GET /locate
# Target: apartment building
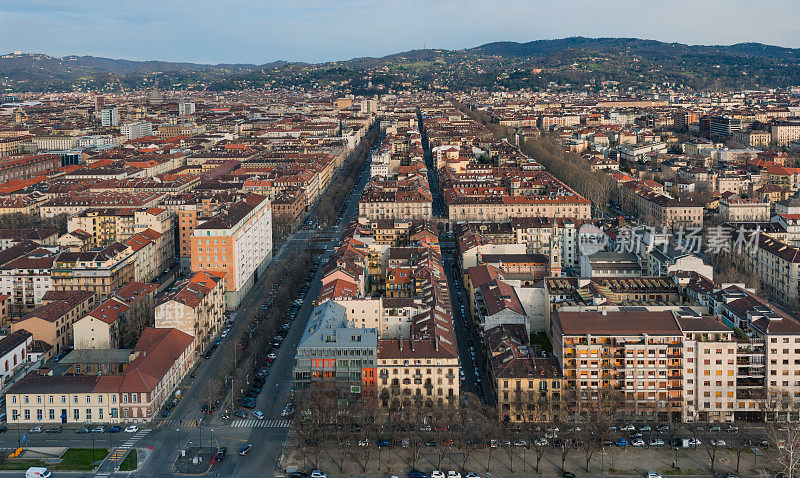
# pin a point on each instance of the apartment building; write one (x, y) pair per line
(335, 352)
(237, 243)
(777, 264)
(196, 307)
(162, 358)
(53, 321)
(710, 370)
(733, 209)
(528, 388)
(100, 271)
(103, 326)
(635, 353)
(784, 132)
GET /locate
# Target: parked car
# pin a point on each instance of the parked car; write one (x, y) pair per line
(57, 429)
(652, 474)
(437, 474)
(621, 442)
(114, 429)
(131, 429)
(241, 414)
(656, 442)
(318, 474)
(416, 474)
(99, 429)
(258, 415)
(36, 429)
(82, 431)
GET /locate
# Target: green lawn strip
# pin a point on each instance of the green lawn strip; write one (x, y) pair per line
(130, 462)
(74, 459)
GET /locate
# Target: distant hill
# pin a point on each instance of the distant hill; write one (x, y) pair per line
(568, 63)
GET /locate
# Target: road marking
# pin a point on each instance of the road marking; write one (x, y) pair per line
(260, 424)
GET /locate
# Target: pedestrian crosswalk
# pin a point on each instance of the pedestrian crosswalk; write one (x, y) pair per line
(260, 424)
(132, 441)
(177, 423)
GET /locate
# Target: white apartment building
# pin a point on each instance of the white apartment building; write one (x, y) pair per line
(136, 130)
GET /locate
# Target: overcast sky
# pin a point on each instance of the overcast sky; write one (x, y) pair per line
(259, 31)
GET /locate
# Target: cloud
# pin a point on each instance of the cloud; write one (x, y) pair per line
(256, 31)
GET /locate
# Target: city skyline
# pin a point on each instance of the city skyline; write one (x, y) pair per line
(261, 32)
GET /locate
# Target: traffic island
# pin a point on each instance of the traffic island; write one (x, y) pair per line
(194, 460)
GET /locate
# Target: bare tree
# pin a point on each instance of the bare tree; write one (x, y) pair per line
(786, 438)
(711, 442)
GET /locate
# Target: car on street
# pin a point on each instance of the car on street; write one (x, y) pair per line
(58, 429)
(3, 428)
(416, 474)
(627, 428)
(645, 428)
(540, 442)
(693, 442)
(221, 452)
(519, 442)
(131, 429)
(245, 449)
(36, 429)
(99, 429)
(383, 443)
(318, 474)
(732, 429)
(453, 474)
(114, 429)
(471, 474)
(567, 474)
(718, 442)
(241, 414)
(715, 429)
(621, 442)
(82, 431)
(638, 442)
(437, 474)
(652, 474)
(656, 442)
(258, 415)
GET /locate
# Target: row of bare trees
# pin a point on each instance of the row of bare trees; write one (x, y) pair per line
(339, 189)
(331, 421)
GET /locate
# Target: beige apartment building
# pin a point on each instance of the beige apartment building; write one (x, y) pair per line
(196, 308)
(528, 388)
(160, 360)
(504, 208)
(743, 210)
(709, 370)
(777, 264)
(53, 321)
(784, 132)
(99, 271)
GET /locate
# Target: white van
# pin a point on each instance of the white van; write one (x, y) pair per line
(38, 472)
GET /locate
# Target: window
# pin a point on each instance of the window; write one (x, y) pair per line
(76, 414)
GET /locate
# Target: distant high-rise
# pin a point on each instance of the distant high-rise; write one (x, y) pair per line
(99, 102)
(186, 108)
(109, 116)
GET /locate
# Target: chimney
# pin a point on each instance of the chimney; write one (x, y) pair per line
(604, 312)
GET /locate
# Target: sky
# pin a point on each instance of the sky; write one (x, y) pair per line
(260, 31)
